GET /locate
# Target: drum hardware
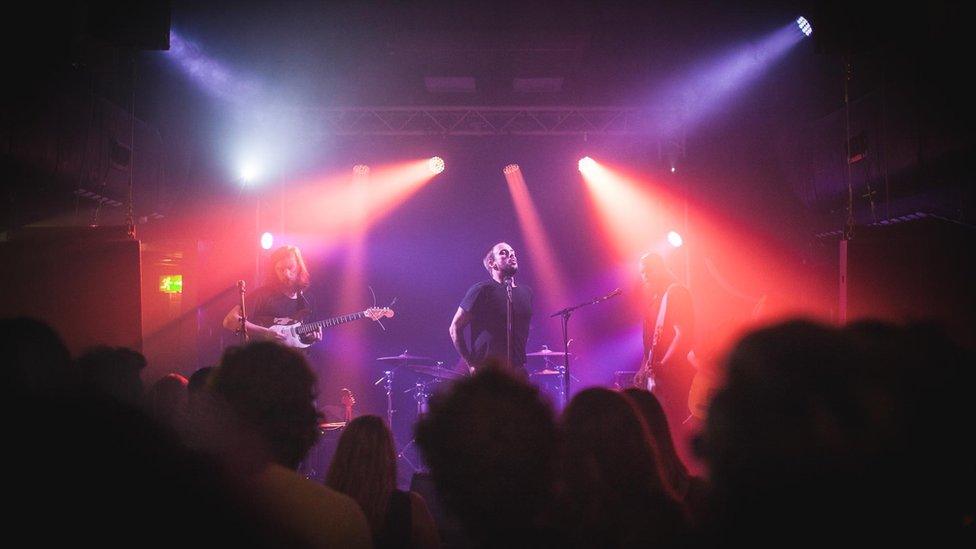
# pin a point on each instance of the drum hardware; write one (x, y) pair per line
(546, 353)
(436, 371)
(406, 357)
(420, 365)
(387, 380)
(421, 394)
(551, 369)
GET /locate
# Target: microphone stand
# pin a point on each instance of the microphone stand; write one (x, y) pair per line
(565, 314)
(243, 330)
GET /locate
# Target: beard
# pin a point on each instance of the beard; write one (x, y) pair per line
(508, 270)
(289, 286)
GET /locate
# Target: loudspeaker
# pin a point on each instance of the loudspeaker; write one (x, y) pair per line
(918, 269)
(84, 282)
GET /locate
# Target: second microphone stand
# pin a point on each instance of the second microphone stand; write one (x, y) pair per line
(565, 314)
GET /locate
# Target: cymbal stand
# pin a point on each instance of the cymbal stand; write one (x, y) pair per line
(387, 381)
(421, 394)
(561, 368)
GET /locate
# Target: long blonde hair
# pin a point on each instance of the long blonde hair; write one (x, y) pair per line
(364, 467)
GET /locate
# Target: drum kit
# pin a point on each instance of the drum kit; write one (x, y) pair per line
(432, 372)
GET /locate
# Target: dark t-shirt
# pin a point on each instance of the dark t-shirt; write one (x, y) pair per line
(268, 303)
(487, 302)
(679, 311)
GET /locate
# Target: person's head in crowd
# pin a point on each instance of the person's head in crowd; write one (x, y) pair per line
(673, 469)
(198, 381)
(270, 389)
(818, 425)
(789, 401)
(114, 372)
(611, 475)
(204, 422)
(167, 399)
(918, 398)
(36, 360)
(364, 467)
(490, 442)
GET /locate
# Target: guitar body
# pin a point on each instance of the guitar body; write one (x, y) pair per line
(644, 378)
(287, 330)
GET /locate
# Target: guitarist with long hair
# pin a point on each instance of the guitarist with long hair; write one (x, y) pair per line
(669, 333)
(280, 299)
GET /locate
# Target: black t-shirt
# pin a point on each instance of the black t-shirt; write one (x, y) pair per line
(268, 303)
(487, 302)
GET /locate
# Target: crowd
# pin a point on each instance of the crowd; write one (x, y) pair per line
(818, 434)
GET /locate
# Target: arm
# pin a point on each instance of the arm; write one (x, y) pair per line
(232, 322)
(461, 319)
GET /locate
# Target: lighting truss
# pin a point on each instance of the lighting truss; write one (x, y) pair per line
(483, 121)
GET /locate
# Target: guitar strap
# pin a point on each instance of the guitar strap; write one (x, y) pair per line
(662, 312)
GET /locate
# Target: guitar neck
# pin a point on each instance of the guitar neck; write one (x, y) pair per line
(329, 322)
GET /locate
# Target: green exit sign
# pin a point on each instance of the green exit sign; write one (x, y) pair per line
(171, 284)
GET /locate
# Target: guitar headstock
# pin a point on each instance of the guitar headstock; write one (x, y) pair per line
(346, 397)
(376, 313)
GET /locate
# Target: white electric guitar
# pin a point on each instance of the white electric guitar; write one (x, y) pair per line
(293, 330)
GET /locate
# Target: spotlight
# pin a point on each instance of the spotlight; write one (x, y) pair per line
(586, 164)
(361, 170)
(805, 26)
(248, 173)
(510, 169)
(267, 241)
(435, 165)
(675, 239)
(673, 169)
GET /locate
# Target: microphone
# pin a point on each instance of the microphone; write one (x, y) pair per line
(241, 286)
(614, 293)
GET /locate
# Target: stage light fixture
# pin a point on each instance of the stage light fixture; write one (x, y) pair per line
(361, 170)
(675, 239)
(267, 241)
(510, 169)
(586, 164)
(248, 174)
(435, 165)
(805, 26)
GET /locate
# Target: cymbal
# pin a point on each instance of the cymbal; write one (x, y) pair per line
(547, 373)
(546, 352)
(404, 357)
(436, 372)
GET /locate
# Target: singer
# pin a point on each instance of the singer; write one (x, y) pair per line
(499, 312)
(280, 299)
